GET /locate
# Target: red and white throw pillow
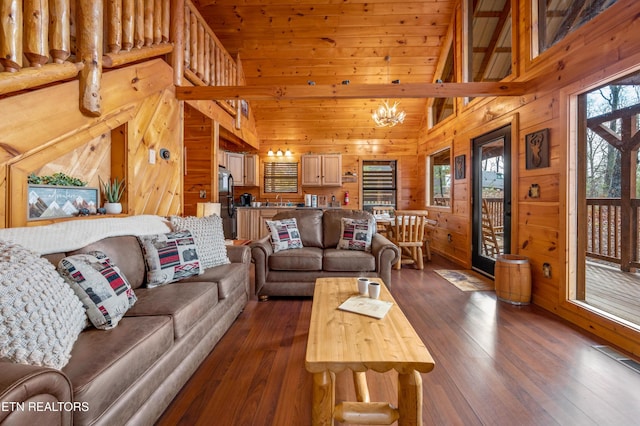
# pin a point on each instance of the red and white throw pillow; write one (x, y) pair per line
(170, 257)
(284, 234)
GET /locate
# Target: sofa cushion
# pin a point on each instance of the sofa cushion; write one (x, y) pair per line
(356, 234)
(309, 224)
(102, 288)
(228, 277)
(124, 251)
(169, 257)
(336, 260)
(209, 237)
(186, 304)
(106, 363)
(304, 259)
(284, 234)
(332, 223)
(40, 316)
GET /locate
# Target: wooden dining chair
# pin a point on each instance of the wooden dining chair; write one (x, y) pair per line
(383, 217)
(409, 227)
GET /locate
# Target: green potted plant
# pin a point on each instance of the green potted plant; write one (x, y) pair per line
(112, 191)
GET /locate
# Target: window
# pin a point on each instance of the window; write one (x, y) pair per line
(442, 108)
(560, 17)
(440, 178)
(489, 40)
(280, 177)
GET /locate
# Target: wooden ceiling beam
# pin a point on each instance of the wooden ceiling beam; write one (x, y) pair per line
(339, 91)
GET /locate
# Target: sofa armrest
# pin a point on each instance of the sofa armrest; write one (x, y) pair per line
(239, 254)
(260, 252)
(386, 254)
(32, 395)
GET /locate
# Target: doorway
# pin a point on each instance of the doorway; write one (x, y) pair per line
(491, 177)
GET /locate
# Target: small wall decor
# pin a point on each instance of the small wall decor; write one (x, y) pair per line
(534, 191)
(537, 149)
(459, 166)
(49, 202)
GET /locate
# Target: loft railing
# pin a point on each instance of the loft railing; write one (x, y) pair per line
(46, 42)
(34, 52)
(604, 230)
(206, 61)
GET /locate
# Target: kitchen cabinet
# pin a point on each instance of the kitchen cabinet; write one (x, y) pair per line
(322, 170)
(251, 222)
(235, 164)
(251, 170)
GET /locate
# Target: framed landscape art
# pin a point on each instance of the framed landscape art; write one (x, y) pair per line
(50, 202)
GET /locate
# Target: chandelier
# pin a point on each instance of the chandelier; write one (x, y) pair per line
(388, 115)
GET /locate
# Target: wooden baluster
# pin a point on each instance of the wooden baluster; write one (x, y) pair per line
(157, 21)
(11, 26)
(178, 38)
(114, 25)
(128, 17)
(212, 64)
(219, 65)
(201, 47)
(36, 32)
(148, 22)
(186, 29)
(90, 28)
(73, 27)
(205, 65)
(166, 22)
(193, 29)
(59, 30)
(138, 34)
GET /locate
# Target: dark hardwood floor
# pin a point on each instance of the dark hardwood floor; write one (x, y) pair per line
(496, 364)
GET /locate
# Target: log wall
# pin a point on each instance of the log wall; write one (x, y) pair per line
(609, 45)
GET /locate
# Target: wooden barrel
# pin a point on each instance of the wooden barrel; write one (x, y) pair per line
(513, 279)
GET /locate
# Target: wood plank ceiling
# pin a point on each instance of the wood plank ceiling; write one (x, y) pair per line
(293, 42)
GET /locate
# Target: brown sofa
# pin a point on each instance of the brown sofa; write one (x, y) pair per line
(294, 272)
(130, 374)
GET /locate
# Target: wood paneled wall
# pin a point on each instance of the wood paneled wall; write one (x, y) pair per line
(607, 46)
(44, 131)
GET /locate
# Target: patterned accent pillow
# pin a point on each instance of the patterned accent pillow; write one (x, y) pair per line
(209, 237)
(356, 234)
(170, 257)
(103, 289)
(40, 316)
(284, 234)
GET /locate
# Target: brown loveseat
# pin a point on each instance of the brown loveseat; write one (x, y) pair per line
(129, 374)
(294, 272)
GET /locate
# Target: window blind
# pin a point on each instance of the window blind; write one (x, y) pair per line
(281, 177)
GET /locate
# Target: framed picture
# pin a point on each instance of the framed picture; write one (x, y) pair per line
(50, 202)
(459, 167)
(537, 149)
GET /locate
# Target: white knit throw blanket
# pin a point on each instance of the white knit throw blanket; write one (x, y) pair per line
(74, 234)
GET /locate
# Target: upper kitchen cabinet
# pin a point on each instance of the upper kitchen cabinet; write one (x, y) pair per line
(251, 170)
(235, 164)
(322, 170)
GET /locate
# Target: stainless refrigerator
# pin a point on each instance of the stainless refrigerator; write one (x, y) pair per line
(378, 184)
(227, 208)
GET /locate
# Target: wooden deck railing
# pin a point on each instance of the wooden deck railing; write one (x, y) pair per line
(604, 230)
(46, 42)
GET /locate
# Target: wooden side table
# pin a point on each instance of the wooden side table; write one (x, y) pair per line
(340, 340)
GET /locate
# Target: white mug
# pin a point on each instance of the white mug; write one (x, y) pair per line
(363, 285)
(374, 290)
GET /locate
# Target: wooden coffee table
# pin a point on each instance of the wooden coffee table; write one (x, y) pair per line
(340, 340)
